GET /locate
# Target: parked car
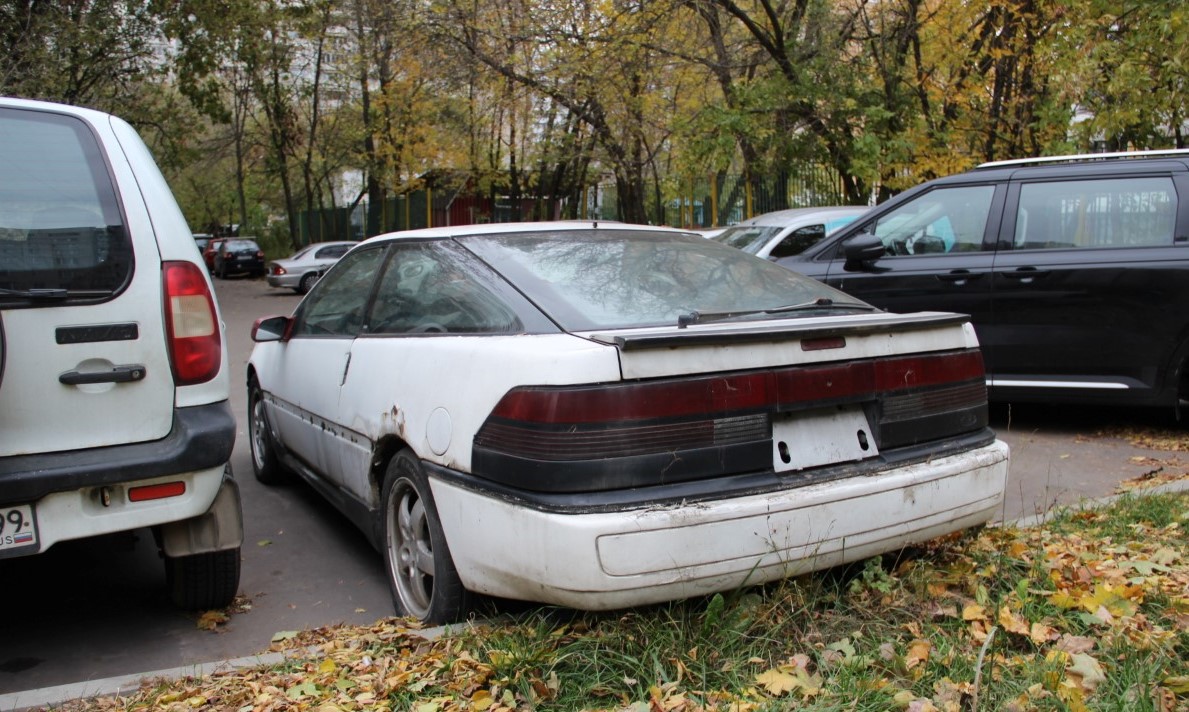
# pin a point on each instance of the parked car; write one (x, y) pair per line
(114, 412)
(201, 239)
(784, 233)
(604, 415)
(302, 269)
(208, 252)
(1074, 270)
(237, 255)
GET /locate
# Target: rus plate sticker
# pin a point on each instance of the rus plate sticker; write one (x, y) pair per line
(18, 529)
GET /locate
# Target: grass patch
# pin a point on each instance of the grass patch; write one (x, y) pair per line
(1090, 612)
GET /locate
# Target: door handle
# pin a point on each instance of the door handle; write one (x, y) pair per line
(1026, 274)
(117, 374)
(959, 276)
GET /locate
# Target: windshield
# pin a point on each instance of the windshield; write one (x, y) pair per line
(598, 279)
(749, 238)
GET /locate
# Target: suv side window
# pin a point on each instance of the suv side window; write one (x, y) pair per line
(336, 307)
(60, 222)
(940, 221)
(1116, 212)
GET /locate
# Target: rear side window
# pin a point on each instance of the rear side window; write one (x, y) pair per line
(60, 223)
(1118, 212)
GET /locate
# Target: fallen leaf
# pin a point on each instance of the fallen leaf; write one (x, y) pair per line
(918, 652)
(1086, 671)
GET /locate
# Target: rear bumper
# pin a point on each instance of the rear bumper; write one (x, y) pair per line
(614, 559)
(201, 439)
(288, 281)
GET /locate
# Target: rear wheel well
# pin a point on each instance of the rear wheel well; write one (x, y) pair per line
(384, 450)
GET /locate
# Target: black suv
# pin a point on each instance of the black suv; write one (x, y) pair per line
(1074, 269)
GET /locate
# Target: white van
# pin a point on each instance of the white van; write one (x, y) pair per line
(114, 411)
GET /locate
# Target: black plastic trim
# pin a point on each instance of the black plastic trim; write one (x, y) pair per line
(750, 483)
(201, 438)
(621, 472)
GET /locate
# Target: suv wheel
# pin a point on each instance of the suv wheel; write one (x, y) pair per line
(203, 581)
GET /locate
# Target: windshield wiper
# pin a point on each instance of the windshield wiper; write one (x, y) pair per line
(38, 294)
(697, 317)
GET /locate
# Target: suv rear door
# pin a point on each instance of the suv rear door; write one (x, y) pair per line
(81, 285)
(1090, 278)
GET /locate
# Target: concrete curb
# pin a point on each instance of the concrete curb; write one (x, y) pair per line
(105, 687)
(1036, 520)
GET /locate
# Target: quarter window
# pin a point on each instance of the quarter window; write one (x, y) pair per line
(1118, 212)
(940, 221)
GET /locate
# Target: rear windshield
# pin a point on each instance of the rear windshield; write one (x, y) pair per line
(598, 279)
(60, 223)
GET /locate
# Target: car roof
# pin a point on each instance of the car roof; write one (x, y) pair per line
(781, 218)
(553, 226)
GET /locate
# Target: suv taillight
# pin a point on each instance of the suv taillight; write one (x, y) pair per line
(195, 346)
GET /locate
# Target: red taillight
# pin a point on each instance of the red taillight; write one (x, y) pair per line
(161, 491)
(620, 419)
(735, 394)
(278, 270)
(195, 345)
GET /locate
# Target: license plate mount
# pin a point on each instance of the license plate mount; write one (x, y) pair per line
(821, 436)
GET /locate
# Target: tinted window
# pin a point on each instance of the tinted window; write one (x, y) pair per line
(1122, 212)
(238, 246)
(337, 305)
(332, 251)
(428, 287)
(610, 278)
(942, 220)
(799, 240)
(60, 223)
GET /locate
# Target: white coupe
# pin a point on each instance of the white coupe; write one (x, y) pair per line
(601, 415)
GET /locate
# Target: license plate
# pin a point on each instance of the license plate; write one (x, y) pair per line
(18, 530)
(821, 437)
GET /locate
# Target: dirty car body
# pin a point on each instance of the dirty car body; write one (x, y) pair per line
(606, 416)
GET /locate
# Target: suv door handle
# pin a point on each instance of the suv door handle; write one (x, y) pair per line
(959, 276)
(1025, 274)
(117, 374)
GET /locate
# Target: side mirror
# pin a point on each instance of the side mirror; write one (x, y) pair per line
(862, 250)
(271, 328)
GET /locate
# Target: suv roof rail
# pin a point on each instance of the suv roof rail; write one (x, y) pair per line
(1085, 157)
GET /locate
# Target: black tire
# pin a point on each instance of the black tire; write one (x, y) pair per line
(203, 581)
(307, 283)
(421, 574)
(266, 464)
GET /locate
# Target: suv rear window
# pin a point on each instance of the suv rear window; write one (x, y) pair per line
(60, 222)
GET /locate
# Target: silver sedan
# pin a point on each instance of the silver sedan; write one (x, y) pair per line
(302, 269)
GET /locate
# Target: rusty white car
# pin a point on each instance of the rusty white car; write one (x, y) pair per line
(600, 415)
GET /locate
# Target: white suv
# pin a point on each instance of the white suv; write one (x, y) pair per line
(114, 411)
